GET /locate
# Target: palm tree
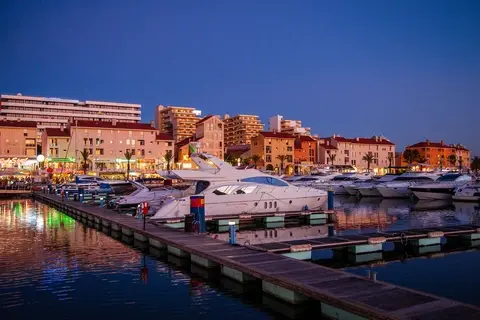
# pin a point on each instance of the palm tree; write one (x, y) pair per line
(84, 154)
(411, 156)
(168, 158)
(332, 157)
(390, 160)
(282, 159)
(460, 163)
(256, 158)
(230, 159)
(452, 159)
(246, 161)
(368, 158)
(128, 156)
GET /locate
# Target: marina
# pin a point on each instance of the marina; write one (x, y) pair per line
(288, 279)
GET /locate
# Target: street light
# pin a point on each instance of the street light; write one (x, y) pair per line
(40, 159)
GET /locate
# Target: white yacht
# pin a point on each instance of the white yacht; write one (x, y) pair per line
(469, 192)
(145, 194)
(443, 188)
(338, 183)
(312, 180)
(369, 188)
(399, 187)
(228, 191)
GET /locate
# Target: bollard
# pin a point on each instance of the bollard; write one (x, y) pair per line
(331, 231)
(139, 212)
(232, 233)
(197, 207)
(331, 199)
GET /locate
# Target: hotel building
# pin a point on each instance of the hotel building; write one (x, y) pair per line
(279, 124)
(305, 153)
(350, 151)
(18, 146)
(179, 122)
(436, 154)
(208, 138)
(240, 129)
(270, 145)
(106, 143)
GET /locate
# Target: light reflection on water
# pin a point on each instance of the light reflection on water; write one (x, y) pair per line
(51, 265)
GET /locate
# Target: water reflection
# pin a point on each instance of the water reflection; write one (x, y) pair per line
(53, 266)
(356, 215)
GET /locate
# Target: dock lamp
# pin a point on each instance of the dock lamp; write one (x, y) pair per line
(40, 160)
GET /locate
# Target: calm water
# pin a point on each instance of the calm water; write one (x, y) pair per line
(453, 275)
(51, 265)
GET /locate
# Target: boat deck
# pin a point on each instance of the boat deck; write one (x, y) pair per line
(341, 295)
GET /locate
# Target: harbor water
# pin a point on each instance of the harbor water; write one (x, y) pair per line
(51, 264)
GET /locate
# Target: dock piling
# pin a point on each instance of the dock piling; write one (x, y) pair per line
(232, 233)
(331, 199)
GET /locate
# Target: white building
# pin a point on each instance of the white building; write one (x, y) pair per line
(279, 124)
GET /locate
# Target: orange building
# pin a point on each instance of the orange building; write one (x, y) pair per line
(269, 146)
(305, 153)
(437, 154)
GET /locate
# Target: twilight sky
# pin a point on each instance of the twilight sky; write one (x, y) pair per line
(407, 69)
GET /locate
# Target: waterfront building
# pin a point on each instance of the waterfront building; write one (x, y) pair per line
(271, 146)
(55, 112)
(305, 153)
(240, 129)
(279, 124)
(179, 122)
(106, 144)
(18, 146)
(240, 151)
(326, 151)
(352, 150)
(208, 138)
(439, 154)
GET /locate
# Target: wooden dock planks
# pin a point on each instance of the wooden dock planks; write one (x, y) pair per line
(344, 291)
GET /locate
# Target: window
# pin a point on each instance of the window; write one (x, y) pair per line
(268, 149)
(289, 149)
(224, 190)
(141, 142)
(268, 158)
(266, 180)
(246, 190)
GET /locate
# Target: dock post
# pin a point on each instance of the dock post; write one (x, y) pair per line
(331, 199)
(102, 202)
(232, 232)
(197, 208)
(331, 231)
(66, 195)
(81, 192)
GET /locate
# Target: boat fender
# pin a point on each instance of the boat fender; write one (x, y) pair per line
(435, 234)
(301, 248)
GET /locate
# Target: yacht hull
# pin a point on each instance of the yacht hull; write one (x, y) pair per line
(394, 192)
(432, 194)
(351, 191)
(369, 192)
(466, 198)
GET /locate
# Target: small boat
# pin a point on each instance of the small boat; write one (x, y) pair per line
(338, 183)
(468, 193)
(369, 188)
(400, 186)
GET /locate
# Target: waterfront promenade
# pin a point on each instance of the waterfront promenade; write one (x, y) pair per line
(341, 295)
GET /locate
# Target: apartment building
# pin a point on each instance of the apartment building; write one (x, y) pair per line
(279, 124)
(352, 150)
(240, 129)
(18, 146)
(437, 154)
(106, 143)
(270, 146)
(326, 151)
(208, 138)
(180, 122)
(305, 153)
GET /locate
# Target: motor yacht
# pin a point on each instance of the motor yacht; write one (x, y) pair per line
(469, 192)
(312, 180)
(399, 187)
(443, 188)
(369, 188)
(153, 196)
(338, 183)
(228, 191)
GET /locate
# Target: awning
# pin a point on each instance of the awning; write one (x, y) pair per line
(61, 160)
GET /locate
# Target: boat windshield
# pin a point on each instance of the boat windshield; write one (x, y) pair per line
(407, 178)
(449, 177)
(266, 180)
(306, 179)
(343, 178)
(201, 186)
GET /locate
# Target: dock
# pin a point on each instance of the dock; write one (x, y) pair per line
(340, 295)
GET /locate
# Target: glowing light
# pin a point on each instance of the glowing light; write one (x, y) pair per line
(40, 158)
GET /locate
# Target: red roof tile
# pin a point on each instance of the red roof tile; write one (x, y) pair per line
(110, 125)
(185, 141)
(163, 136)
(20, 124)
(430, 144)
(281, 135)
(239, 147)
(306, 138)
(372, 140)
(205, 118)
(57, 132)
(330, 147)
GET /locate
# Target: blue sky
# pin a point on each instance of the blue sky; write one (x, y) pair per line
(407, 69)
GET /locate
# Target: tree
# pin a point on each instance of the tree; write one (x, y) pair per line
(411, 156)
(168, 158)
(128, 156)
(368, 158)
(390, 160)
(230, 159)
(475, 165)
(282, 159)
(256, 158)
(332, 157)
(246, 161)
(452, 159)
(84, 154)
(460, 163)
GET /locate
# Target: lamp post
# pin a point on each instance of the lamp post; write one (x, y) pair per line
(40, 160)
